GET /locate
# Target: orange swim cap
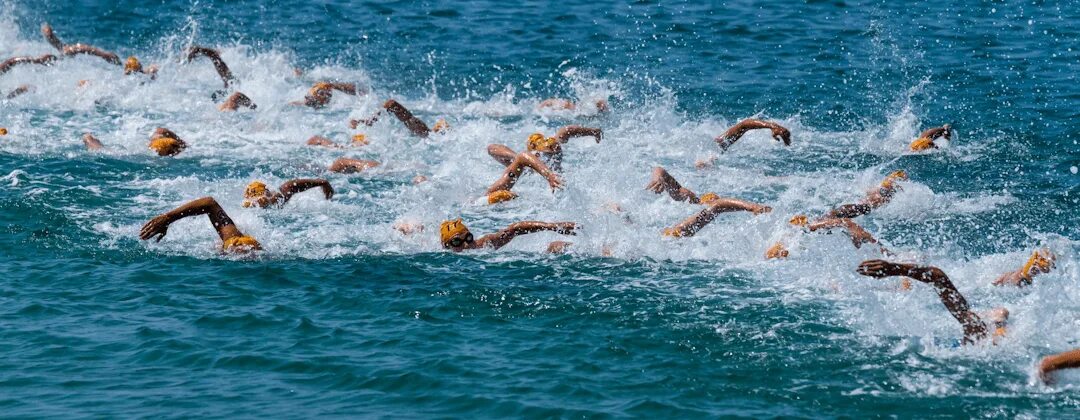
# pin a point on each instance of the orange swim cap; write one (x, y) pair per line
(501, 196)
(672, 232)
(1041, 261)
(708, 198)
(3, 131)
(537, 143)
(240, 244)
(166, 146)
(776, 251)
(922, 143)
(451, 228)
(132, 65)
(441, 126)
(799, 220)
(891, 178)
(359, 140)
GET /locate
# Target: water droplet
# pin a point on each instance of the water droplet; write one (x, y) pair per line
(1073, 170)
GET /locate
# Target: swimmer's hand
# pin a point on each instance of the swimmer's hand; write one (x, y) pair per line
(156, 227)
(882, 269)
(780, 133)
(554, 181)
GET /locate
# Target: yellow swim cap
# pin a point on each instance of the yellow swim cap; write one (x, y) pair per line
(776, 251)
(922, 143)
(319, 89)
(359, 140)
(799, 220)
(166, 146)
(708, 198)
(1041, 261)
(537, 143)
(500, 196)
(3, 131)
(132, 65)
(451, 228)
(255, 189)
(440, 126)
(891, 178)
(242, 243)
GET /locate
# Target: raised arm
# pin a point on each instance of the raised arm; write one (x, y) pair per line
(6, 65)
(524, 160)
(159, 226)
(415, 125)
(974, 328)
(566, 133)
(215, 57)
(858, 235)
(935, 133)
(237, 100)
(76, 49)
(694, 223)
(501, 238)
(348, 166)
(91, 142)
(662, 182)
(736, 132)
(1055, 362)
(349, 88)
(50, 36)
(1041, 261)
(296, 186)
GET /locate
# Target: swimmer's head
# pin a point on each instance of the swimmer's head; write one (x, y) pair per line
(359, 140)
(537, 143)
(501, 196)
(799, 220)
(256, 194)
(708, 198)
(3, 131)
(948, 131)
(602, 106)
(777, 251)
(1041, 261)
(454, 235)
(132, 65)
(999, 318)
(441, 126)
(241, 244)
(166, 146)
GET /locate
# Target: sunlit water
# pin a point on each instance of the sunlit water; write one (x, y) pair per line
(343, 315)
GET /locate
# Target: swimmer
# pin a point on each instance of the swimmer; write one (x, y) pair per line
(566, 104)
(349, 166)
(357, 140)
(550, 148)
(662, 182)
(415, 125)
(91, 142)
(166, 143)
(76, 49)
(974, 328)
(874, 198)
(232, 240)
(19, 91)
(693, 224)
(858, 234)
(8, 64)
(500, 190)
(733, 134)
(321, 93)
(1056, 362)
(456, 237)
(1040, 262)
(926, 139)
(235, 101)
(215, 58)
(257, 195)
(132, 65)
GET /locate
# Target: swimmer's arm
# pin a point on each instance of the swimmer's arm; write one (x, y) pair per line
(974, 328)
(349, 88)
(501, 238)
(19, 91)
(296, 186)
(237, 100)
(6, 65)
(513, 172)
(934, 133)
(321, 141)
(159, 226)
(662, 182)
(50, 36)
(566, 133)
(164, 132)
(215, 57)
(691, 225)
(1012, 278)
(348, 166)
(415, 125)
(370, 121)
(1055, 362)
(76, 49)
(91, 142)
(858, 235)
(736, 132)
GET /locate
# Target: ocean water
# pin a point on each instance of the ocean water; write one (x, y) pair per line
(343, 316)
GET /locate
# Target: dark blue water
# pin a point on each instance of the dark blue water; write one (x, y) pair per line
(343, 316)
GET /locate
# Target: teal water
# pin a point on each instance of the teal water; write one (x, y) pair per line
(342, 316)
